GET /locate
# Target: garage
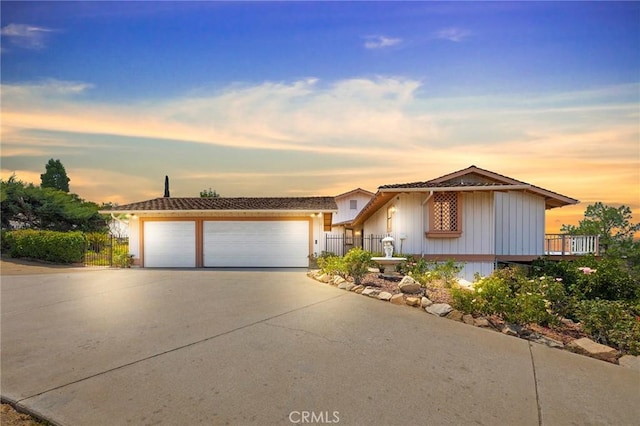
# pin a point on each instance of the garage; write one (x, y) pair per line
(266, 243)
(170, 244)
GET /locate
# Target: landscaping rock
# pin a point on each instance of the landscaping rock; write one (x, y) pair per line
(512, 330)
(343, 285)
(439, 309)
(371, 292)
(468, 319)
(413, 301)
(358, 289)
(590, 348)
(409, 285)
(455, 315)
(339, 280)
(424, 302)
(350, 286)
(481, 322)
(544, 340)
(397, 299)
(385, 295)
(630, 361)
(324, 278)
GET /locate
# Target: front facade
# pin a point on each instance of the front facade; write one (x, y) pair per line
(227, 232)
(473, 216)
(349, 205)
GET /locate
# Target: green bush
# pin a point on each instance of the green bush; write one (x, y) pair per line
(331, 264)
(425, 272)
(357, 262)
(51, 246)
(613, 323)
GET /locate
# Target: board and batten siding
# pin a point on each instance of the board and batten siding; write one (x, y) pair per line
(519, 222)
(345, 213)
(477, 228)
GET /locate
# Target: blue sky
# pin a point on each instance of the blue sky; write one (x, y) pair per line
(317, 98)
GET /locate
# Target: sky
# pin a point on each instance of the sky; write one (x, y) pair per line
(318, 98)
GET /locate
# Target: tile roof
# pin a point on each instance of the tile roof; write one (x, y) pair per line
(220, 203)
(430, 184)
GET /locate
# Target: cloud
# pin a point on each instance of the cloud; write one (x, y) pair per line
(453, 34)
(380, 42)
(26, 36)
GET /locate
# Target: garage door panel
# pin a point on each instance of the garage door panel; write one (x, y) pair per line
(256, 243)
(170, 244)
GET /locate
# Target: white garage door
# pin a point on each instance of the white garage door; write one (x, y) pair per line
(170, 244)
(256, 244)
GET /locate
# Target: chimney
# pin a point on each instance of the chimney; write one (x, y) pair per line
(166, 186)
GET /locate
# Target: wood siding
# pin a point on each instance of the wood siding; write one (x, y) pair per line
(345, 212)
(519, 223)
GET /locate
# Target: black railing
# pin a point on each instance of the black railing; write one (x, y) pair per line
(340, 244)
(107, 250)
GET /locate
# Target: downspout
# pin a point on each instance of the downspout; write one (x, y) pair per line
(423, 225)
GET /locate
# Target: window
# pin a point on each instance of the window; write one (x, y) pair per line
(353, 204)
(390, 211)
(445, 219)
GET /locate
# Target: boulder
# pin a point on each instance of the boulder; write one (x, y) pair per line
(468, 319)
(544, 340)
(424, 302)
(343, 285)
(630, 361)
(397, 299)
(590, 348)
(385, 295)
(439, 309)
(409, 285)
(455, 315)
(350, 286)
(337, 280)
(481, 322)
(324, 278)
(413, 301)
(358, 289)
(371, 292)
(512, 330)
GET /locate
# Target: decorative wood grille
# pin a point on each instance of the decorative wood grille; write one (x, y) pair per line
(445, 211)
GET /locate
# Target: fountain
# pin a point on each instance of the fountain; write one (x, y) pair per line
(388, 259)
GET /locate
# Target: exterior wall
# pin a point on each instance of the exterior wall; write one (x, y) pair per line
(344, 209)
(134, 238)
(477, 236)
(519, 223)
(471, 268)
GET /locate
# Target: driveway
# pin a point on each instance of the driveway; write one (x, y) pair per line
(140, 346)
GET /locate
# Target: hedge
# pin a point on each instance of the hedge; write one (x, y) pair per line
(52, 246)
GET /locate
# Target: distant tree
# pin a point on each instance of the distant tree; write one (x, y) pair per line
(55, 176)
(209, 193)
(612, 224)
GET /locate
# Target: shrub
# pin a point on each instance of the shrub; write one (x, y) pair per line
(52, 246)
(357, 262)
(426, 272)
(613, 323)
(333, 265)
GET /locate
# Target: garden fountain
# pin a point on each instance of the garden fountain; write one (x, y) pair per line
(388, 259)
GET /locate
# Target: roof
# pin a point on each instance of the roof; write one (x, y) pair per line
(355, 191)
(229, 204)
(470, 179)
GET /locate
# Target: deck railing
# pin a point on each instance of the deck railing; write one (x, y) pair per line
(565, 245)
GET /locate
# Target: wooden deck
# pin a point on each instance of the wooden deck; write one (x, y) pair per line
(564, 245)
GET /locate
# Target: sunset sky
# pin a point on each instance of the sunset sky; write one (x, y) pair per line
(306, 98)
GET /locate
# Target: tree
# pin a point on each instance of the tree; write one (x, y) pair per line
(209, 193)
(612, 224)
(55, 176)
(29, 206)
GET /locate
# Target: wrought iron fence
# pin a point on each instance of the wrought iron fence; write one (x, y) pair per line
(106, 250)
(340, 244)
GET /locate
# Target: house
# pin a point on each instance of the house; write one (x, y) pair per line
(226, 232)
(349, 205)
(472, 216)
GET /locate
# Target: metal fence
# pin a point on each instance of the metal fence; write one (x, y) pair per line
(340, 244)
(106, 250)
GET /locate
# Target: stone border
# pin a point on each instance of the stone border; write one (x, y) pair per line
(583, 346)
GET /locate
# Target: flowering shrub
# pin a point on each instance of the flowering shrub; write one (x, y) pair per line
(612, 323)
(426, 272)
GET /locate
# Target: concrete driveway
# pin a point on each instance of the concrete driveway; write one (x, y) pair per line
(116, 347)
